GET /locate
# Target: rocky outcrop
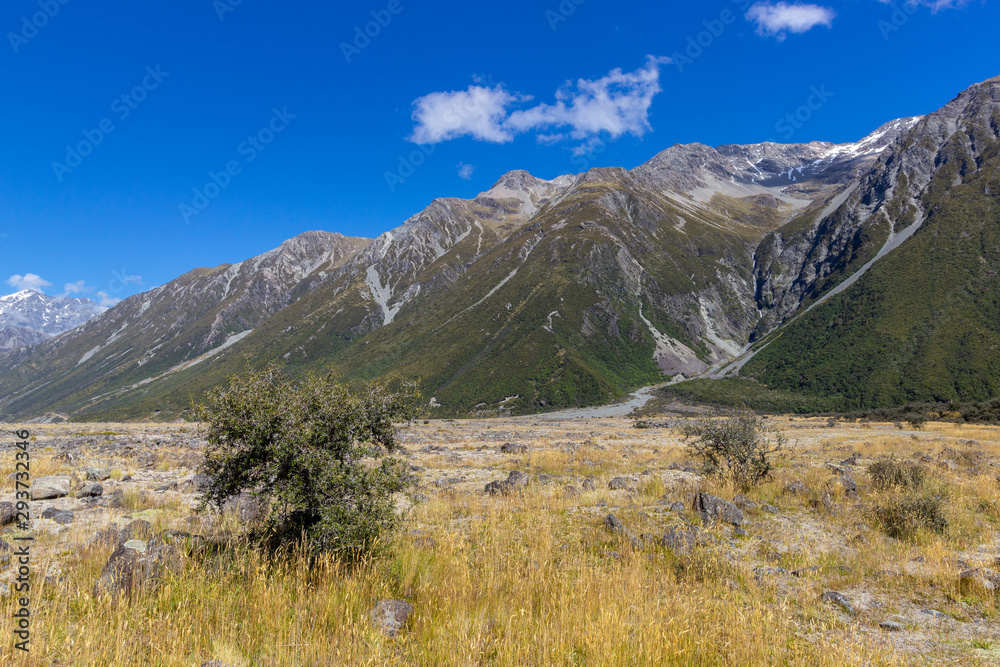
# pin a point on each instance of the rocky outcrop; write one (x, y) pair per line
(822, 248)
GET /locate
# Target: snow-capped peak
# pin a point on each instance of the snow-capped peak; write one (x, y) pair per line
(36, 316)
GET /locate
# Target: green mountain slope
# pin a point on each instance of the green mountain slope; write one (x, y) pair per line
(534, 295)
(923, 324)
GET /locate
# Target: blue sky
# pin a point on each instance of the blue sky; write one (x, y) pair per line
(145, 139)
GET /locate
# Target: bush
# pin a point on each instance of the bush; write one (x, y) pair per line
(314, 453)
(738, 447)
(888, 473)
(901, 518)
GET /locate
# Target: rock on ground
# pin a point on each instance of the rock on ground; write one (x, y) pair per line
(712, 509)
(47, 488)
(390, 616)
(135, 564)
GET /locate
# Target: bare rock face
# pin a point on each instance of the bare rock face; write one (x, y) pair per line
(884, 203)
(677, 265)
(390, 616)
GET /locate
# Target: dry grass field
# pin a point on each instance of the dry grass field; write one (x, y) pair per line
(535, 576)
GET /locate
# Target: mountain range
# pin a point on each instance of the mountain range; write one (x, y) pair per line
(862, 272)
(29, 317)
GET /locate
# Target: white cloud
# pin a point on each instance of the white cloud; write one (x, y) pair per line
(28, 281)
(106, 300)
(935, 5)
(477, 112)
(79, 287)
(131, 279)
(776, 19)
(615, 104)
(465, 171)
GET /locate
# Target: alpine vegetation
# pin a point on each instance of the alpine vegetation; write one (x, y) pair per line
(316, 455)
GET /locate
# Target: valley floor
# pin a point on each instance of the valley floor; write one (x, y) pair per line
(536, 576)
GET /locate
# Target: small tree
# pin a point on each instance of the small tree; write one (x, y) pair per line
(314, 452)
(738, 447)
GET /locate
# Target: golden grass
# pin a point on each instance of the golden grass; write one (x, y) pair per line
(535, 579)
(520, 585)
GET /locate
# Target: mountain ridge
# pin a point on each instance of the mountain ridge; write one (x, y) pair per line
(534, 294)
(29, 316)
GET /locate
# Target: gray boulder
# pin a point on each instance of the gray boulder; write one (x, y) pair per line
(249, 509)
(515, 481)
(390, 616)
(614, 525)
(979, 579)
(62, 517)
(7, 514)
(683, 538)
(106, 536)
(712, 509)
(513, 448)
(198, 483)
(46, 488)
(839, 600)
(137, 530)
(98, 474)
(796, 488)
(90, 490)
(135, 564)
(619, 483)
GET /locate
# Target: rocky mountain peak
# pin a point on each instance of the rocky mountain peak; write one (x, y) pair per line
(28, 317)
(531, 191)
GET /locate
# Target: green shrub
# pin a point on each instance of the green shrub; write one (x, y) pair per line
(901, 518)
(314, 453)
(738, 447)
(889, 472)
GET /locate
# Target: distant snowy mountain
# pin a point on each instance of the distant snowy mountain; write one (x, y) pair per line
(29, 317)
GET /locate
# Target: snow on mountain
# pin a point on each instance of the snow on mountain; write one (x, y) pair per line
(29, 317)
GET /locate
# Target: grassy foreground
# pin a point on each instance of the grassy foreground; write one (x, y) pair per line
(535, 579)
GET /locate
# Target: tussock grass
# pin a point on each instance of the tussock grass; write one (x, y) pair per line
(517, 584)
(535, 578)
(887, 473)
